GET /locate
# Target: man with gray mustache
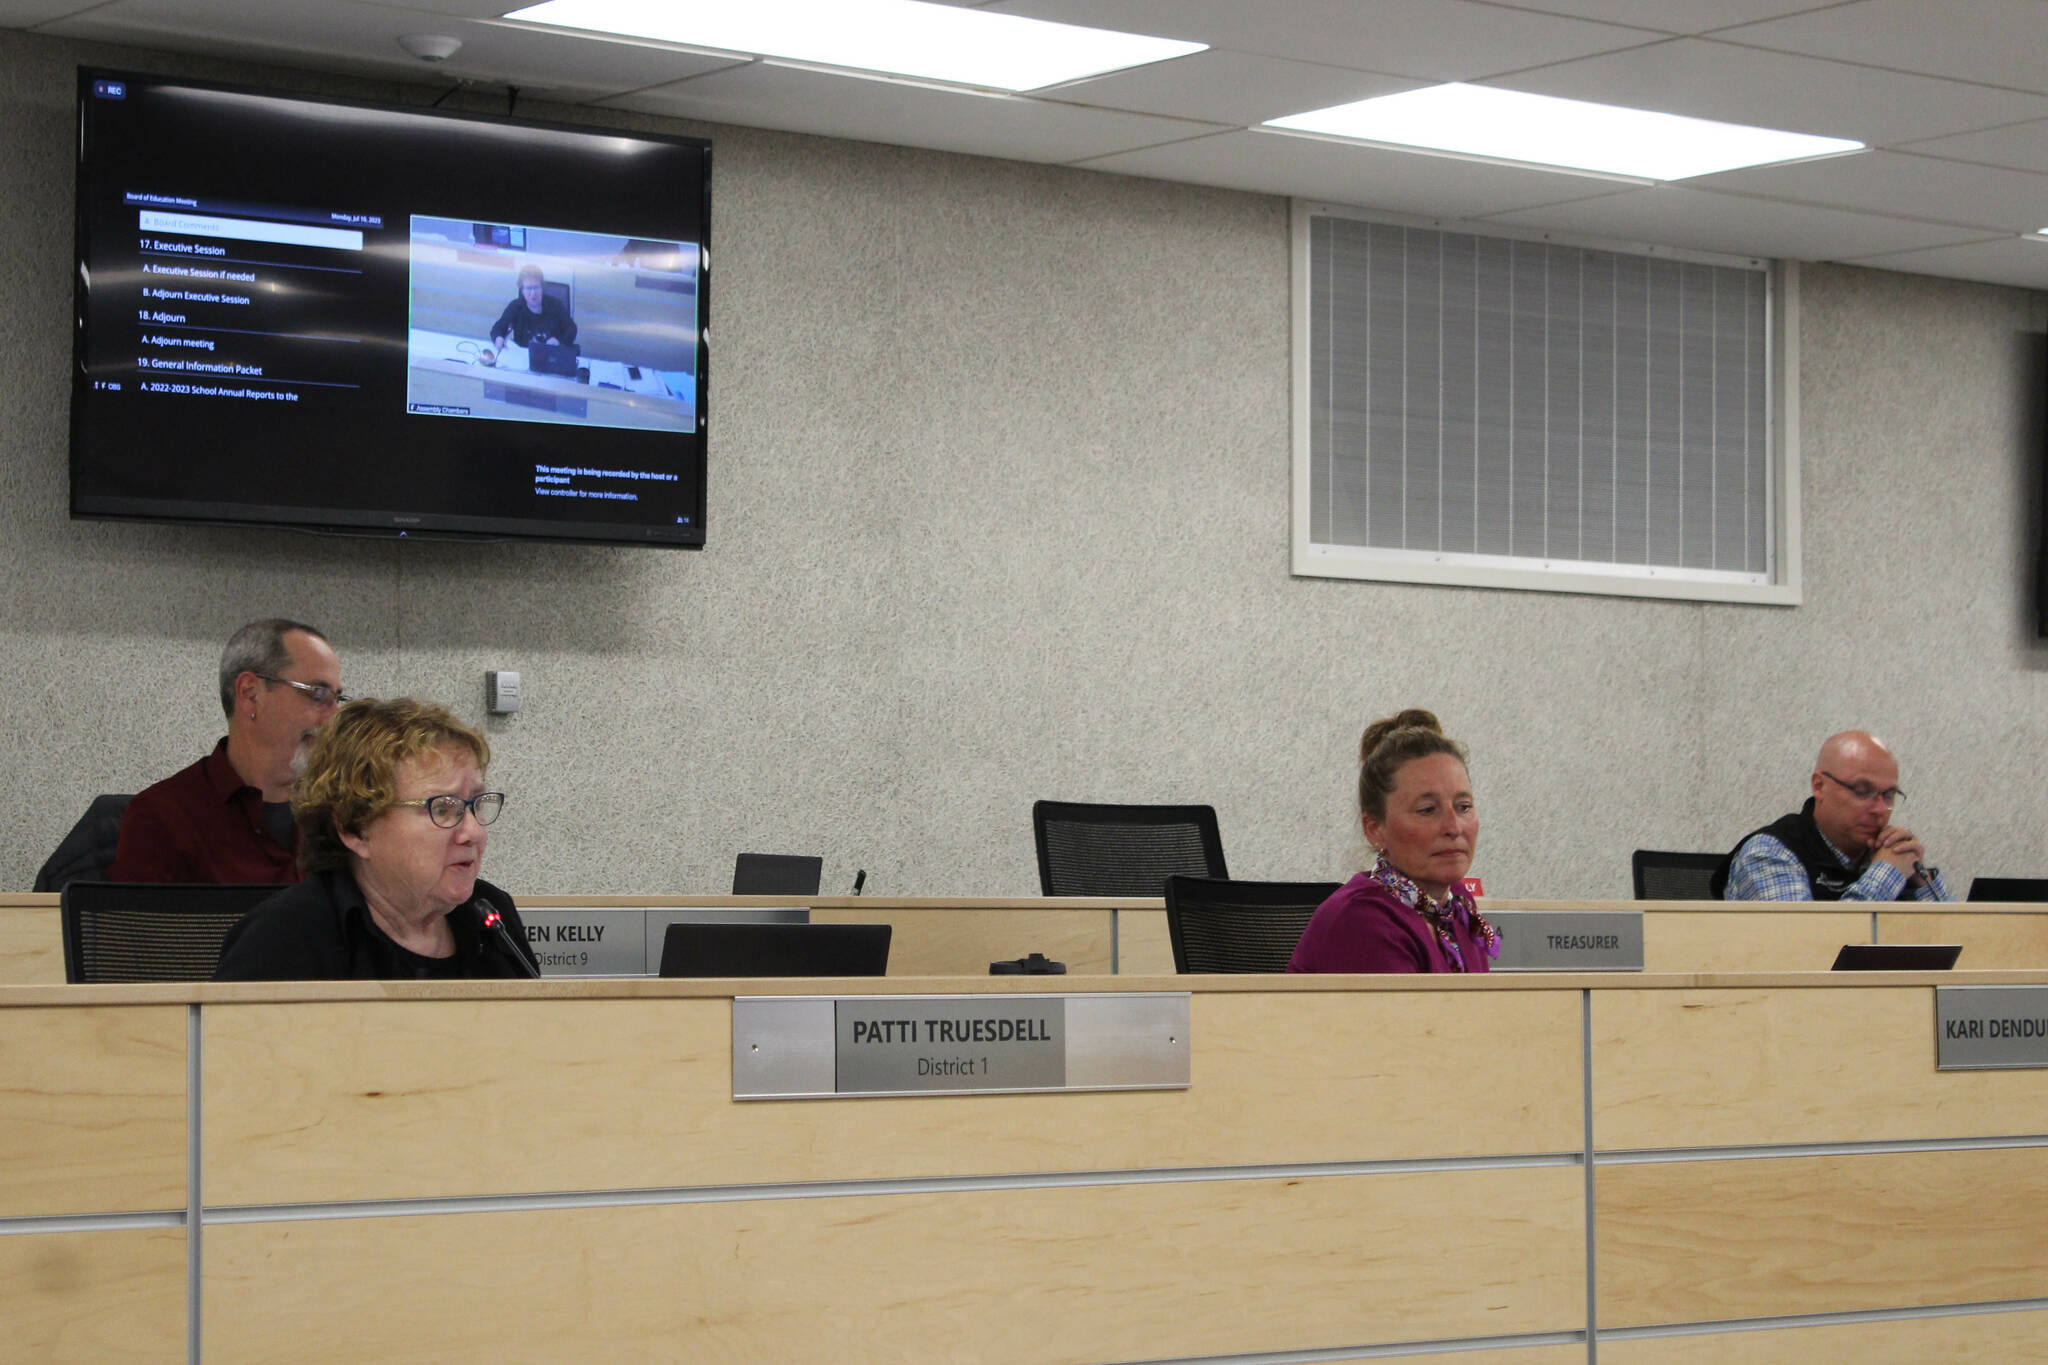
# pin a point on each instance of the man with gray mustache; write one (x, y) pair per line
(228, 818)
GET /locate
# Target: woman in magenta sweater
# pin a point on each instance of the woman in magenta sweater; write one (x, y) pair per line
(1409, 912)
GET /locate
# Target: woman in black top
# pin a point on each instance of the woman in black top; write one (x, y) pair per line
(392, 813)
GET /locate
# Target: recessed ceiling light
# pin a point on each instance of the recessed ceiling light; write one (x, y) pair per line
(1543, 130)
(899, 37)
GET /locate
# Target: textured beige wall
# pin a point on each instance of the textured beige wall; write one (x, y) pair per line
(998, 510)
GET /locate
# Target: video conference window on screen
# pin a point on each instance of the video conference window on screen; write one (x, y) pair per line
(497, 296)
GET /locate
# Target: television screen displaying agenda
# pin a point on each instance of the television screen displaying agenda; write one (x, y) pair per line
(307, 313)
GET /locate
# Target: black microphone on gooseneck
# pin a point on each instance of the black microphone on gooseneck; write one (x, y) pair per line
(495, 922)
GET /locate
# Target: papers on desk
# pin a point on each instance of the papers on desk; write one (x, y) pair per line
(512, 359)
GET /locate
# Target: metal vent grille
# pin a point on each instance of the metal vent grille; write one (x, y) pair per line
(1490, 400)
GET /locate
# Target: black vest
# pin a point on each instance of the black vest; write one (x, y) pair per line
(1824, 872)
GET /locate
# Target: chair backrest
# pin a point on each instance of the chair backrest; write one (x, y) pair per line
(151, 931)
(1098, 850)
(2033, 890)
(1675, 876)
(776, 874)
(88, 850)
(1226, 926)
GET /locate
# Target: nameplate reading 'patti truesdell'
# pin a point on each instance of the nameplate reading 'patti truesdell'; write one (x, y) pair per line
(810, 1047)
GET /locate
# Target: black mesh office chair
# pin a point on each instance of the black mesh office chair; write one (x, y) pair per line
(1226, 926)
(150, 931)
(1674, 876)
(1095, 850)
(776, 874)
(88, 850)
(2026, 890)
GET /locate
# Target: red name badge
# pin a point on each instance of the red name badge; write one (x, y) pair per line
(1473, 885)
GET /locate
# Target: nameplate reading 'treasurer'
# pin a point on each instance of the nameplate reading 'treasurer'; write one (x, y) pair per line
(1990, 1028)
(1569, 940)
(808, 1047)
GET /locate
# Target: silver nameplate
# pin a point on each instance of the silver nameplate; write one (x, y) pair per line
(810, 1047)
(1990, 1028)
(1569, 940)
(588, 942)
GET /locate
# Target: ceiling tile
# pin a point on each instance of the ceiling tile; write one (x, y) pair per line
(770, 95)
(1228, 87)
(1995, 42)
(2009, 260)
(468, 9)
(1435, 40)
(1702, 220)
(28, 13)
(1902, 184)
(1676, 16)
(2022, 146)
(1346, 173)
(365, 37)
(1710, 79)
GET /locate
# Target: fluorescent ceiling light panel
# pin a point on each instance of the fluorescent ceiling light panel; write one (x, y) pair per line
(1543, 130)
(897, 37)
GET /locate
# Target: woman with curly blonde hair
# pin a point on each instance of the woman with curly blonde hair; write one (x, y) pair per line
(392, 815)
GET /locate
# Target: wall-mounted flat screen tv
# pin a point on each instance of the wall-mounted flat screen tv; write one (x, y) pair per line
(336, 316)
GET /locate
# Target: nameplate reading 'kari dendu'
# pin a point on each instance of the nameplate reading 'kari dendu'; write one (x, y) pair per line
(1569, 940)
(1990, 1028)
(810, 1047)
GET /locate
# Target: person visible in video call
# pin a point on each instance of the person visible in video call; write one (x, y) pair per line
(533, 316)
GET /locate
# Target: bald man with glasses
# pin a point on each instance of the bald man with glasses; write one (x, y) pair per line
(228, 817)
(1841, 845)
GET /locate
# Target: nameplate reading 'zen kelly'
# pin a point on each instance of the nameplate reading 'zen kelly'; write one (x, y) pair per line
(588, 942)
(1569, 940)
(1990, 1028)
(811, 1047)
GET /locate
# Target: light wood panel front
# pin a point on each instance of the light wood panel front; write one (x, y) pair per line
(1991, 942)
(1744, 940)
(1702, 1241)
(1788, 1065)
(395, 1099)
(1144, 947)
(1120, 1272)
(92, 1110)
(1773, 1066)
(31, 943)
(963, 942)
(92, 1297)
(1965, 1339)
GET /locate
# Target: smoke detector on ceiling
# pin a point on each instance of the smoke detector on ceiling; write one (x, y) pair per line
(430, 48)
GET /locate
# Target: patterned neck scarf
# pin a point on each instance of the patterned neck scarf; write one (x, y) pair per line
(1456, 906)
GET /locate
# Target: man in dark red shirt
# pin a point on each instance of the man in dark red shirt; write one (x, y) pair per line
(227, 818)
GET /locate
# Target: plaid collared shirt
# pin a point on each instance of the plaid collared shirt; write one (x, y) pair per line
(1766, 870)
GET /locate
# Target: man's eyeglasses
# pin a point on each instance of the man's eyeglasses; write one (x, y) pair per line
(446, 811)
(1863, 791)
(321, 693)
